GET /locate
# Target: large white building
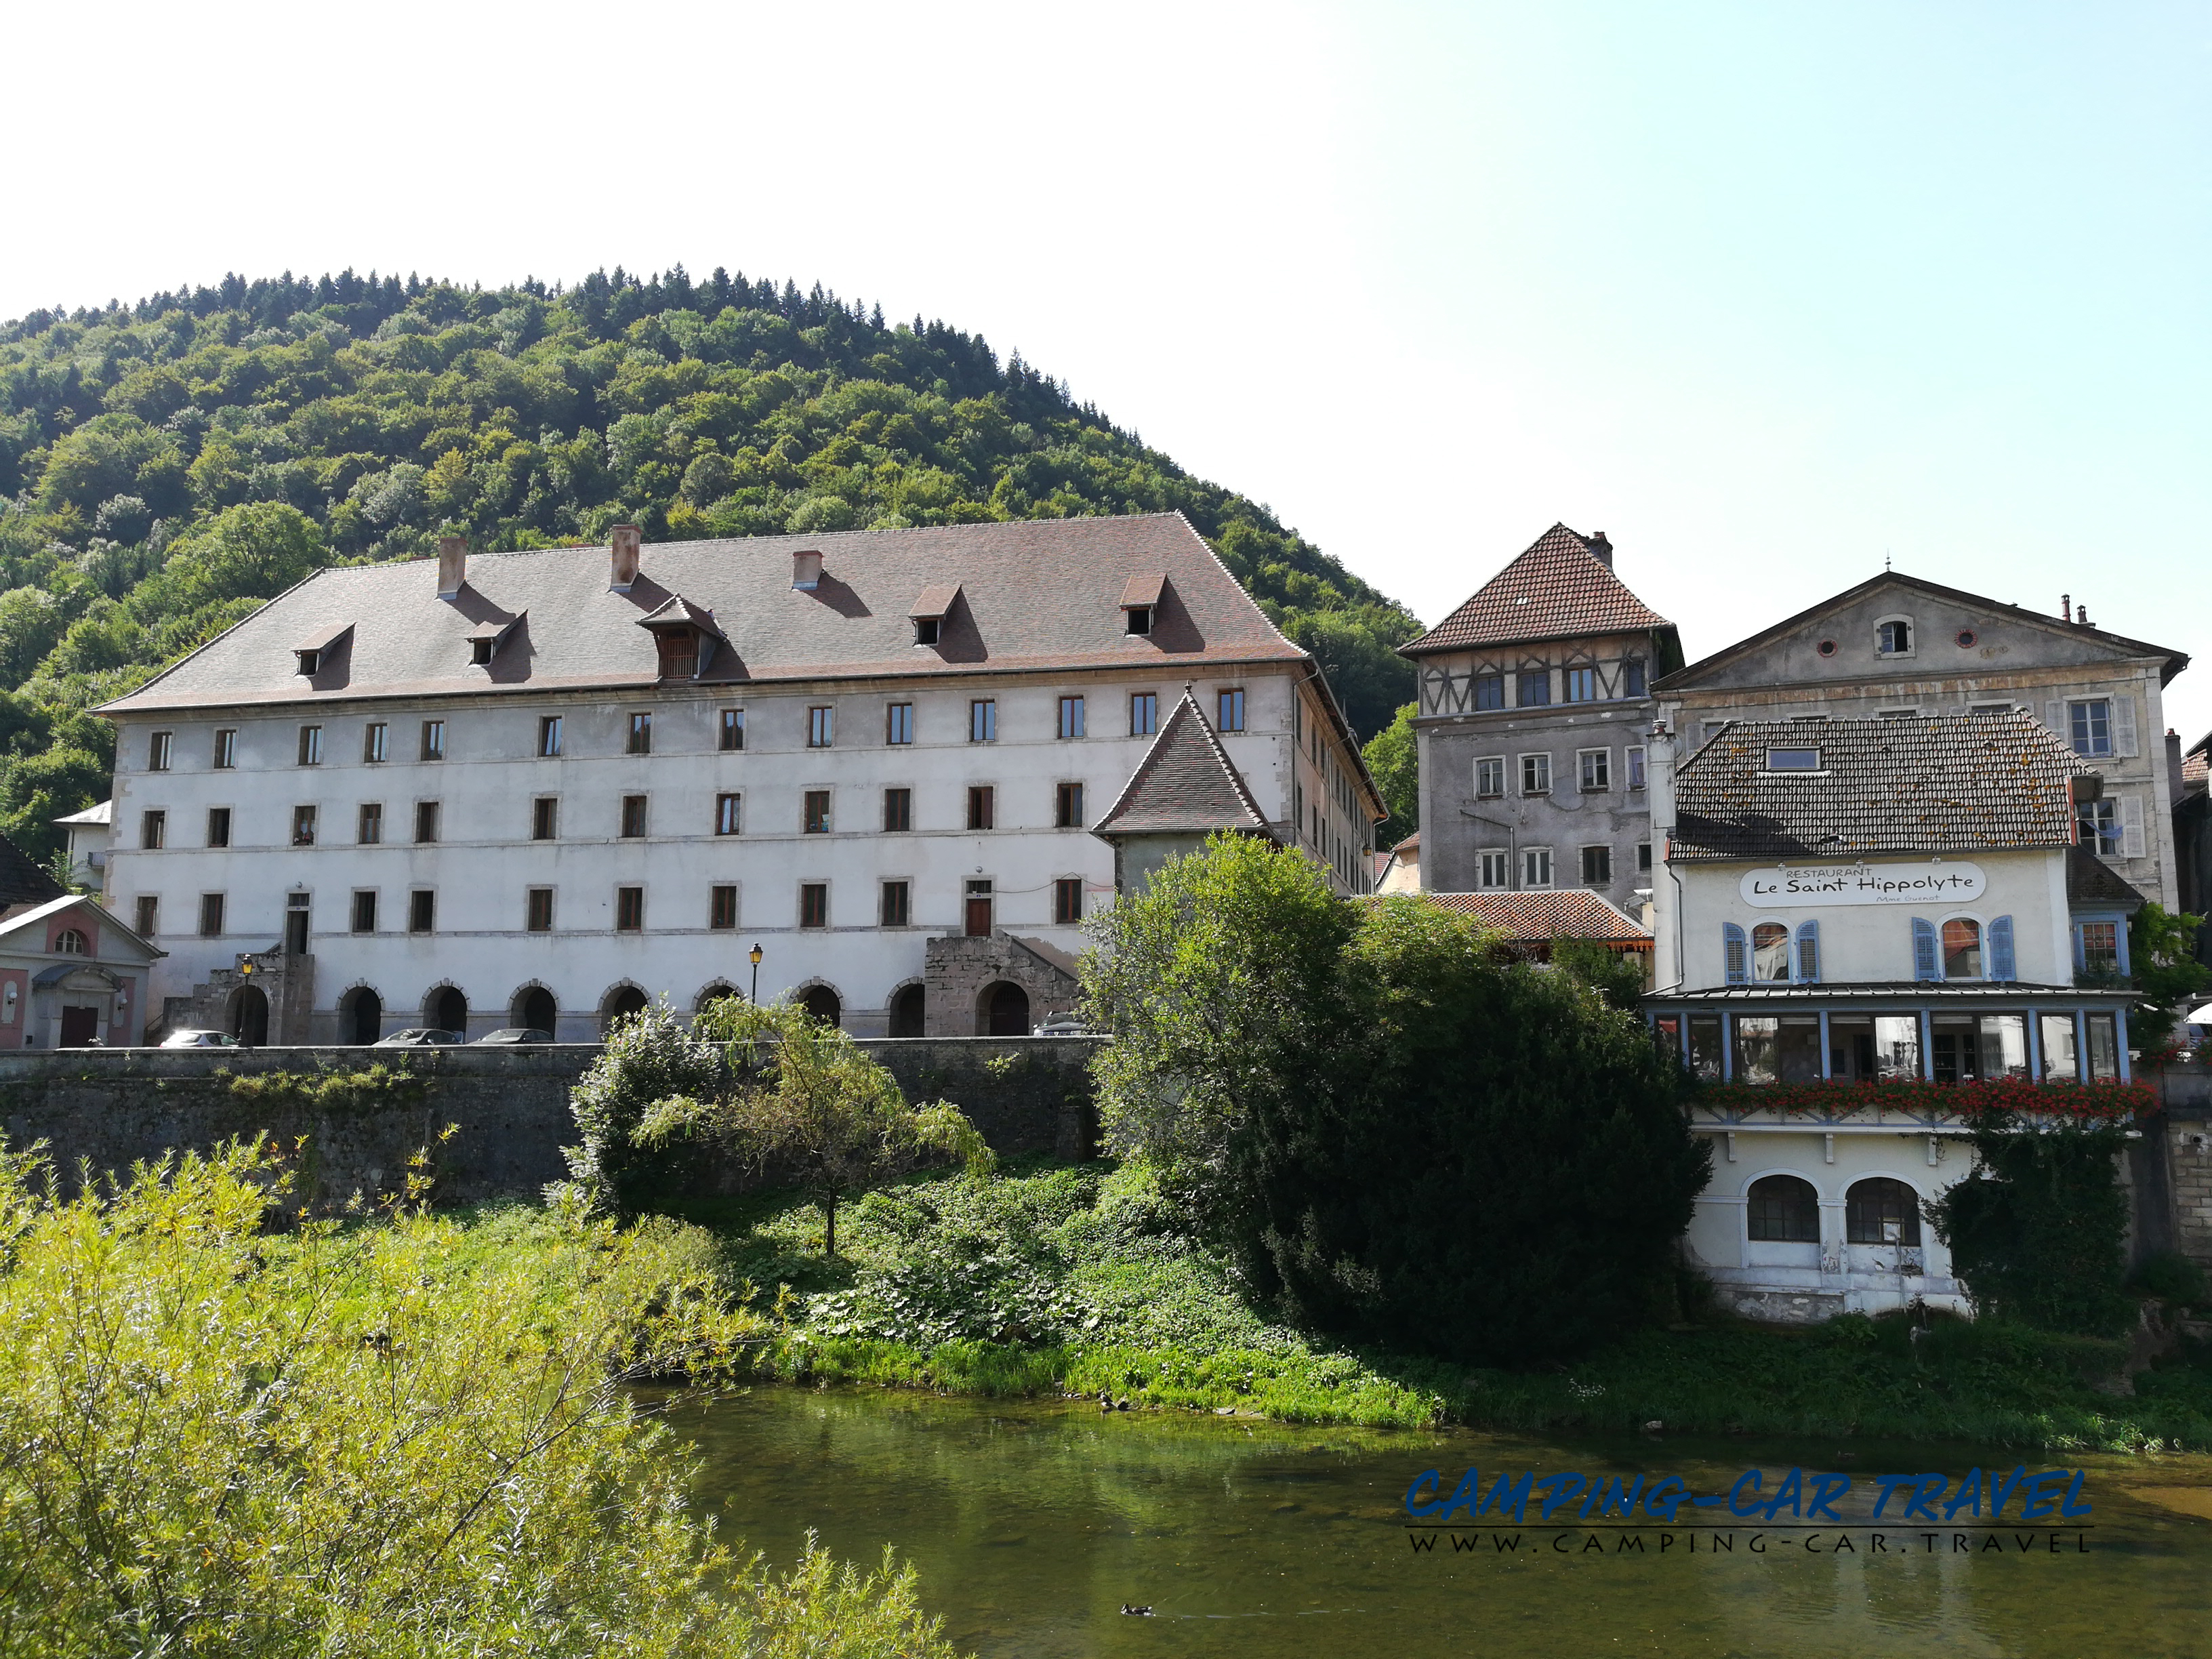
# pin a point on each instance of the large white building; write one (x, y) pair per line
(540, 788)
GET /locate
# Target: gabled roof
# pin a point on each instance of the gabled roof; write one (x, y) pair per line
(107, 921)
(1036, 594)
(1568, 913)
(1556, 590)
(1185, 785)
(22, 880)
(2172, 661)
(2092, 883)
(103, 814)
(1929, 784)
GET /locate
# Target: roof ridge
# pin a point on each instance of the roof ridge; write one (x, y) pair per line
(1574, 592)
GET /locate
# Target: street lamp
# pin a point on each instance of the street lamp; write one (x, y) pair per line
(756, 959)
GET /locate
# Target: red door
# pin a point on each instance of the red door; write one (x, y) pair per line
(79, 1026)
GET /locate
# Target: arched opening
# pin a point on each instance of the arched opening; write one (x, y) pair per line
(1783, 1209)
(449, 1009)
(70, 942)
(1881, 1210)
(1770, 951)
(907, 1008)
(1962, 948)
(623, 1002)
(822, 1004)
(721, 991)
(362, 1017)
(249, 1016)
(534, 1009)
(1002, 1010)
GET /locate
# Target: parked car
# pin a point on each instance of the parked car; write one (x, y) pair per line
(1062, 1025)
(193, 1037)
(511, 1033)
(420, 1036)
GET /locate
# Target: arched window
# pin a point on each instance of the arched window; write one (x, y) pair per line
(1962, 948)
(1893, 638)
(449, 1009)
(1770, 951)
(822, 1004)
(1881, 1211)
(1784, 1209)
(70, 942)
(623, 1002)
(908, 1009)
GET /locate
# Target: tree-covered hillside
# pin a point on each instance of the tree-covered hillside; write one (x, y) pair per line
(166, 466)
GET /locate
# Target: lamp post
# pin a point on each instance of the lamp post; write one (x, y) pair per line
(756, 962)
(245, 975)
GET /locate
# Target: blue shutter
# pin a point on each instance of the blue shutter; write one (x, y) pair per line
(1925, 963)
(1735, 950)
(2001, 958)
(1808, 953)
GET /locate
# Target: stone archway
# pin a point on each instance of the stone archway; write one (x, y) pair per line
(534, 1009)
(362, 1016)
(448, 1009)
(623, 1002)
(249, 1016)
(909, 1010)
(1002, 1009)
(822, 1004)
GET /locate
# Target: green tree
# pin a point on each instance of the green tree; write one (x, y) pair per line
(1393, 757)
(2162, 950)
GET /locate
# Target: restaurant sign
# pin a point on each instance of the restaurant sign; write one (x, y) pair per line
(1935, 882)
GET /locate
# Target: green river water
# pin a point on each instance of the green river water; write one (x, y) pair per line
(1033, 1523)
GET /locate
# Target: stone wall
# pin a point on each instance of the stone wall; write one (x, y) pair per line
(2183, 1135)
(113, 1107)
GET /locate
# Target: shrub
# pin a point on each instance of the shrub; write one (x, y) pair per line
(2171, 1276)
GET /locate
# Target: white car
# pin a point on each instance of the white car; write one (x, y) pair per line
(191, 1037)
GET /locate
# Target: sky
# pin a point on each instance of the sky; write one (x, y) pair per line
(1769, 293)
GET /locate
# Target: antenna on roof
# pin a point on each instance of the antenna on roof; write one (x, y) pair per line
(1884, 558)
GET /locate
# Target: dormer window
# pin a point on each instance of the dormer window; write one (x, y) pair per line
(1793, 760)
(925, 629)
(312, 651)
(930, 610)
(683, 637)
(486, 638)
(1140, 602)
(806, 570)
(480, 653)
(1140, 619)
(311, 662)
(1892, 637)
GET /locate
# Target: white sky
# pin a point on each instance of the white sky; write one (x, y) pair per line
(1763, 292)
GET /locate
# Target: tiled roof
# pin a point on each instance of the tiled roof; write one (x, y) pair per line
(2091, 881)
(1929, 784)
(1569, 913)
(1034, 594)
(1894, 990)
(2196, 764)
(1556, 590)
(1185, 784)
(22, 879)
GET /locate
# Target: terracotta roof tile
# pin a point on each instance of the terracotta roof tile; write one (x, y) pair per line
(1185, 784)
(1569, 913)
(1556, 590)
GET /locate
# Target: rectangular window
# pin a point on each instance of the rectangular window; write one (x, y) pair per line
(153, 829)
(149, 914)
(538, 910)
(375, 742)
(218, 831)
(640, 732)
(1635, 755)
(629, 909)
(364, 910)
(211, 915)
(821, 727)
(422, 911)
(1490, 776)
(368, 830)
(2092, 725)
(303, 826)
(1643, 855)
(1230, 710)
(1595, 766)
(434, 740)
(1144, 714)
(1497, 869)
(1597, 865)
(1067, 806)
(545, 817)
(981, 799)
(1581, 684)
(983, 720)
(728, 817)
(1536, 866)
(722, 906)
(426, 821)
(157, 751)
(1631, 678)
(1535, 687)
(898, 724)
(633, 816)
(1067, 901)
(549, 736)
(1071, 717)
(2101, 947)
(898, 809)
(815, 821)
(1490, 690)
(2060, 1064)
(731, 730)
(2101, 828)
(226, 749)
(1536, 774)
(813, 905)
(894, 910)
(310, 745)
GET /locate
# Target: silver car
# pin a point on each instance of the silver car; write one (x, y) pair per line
(193, 1037)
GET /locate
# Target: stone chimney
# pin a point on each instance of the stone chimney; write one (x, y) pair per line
(623, 539)
(452, 565)
(1600, 549)
(807, 569)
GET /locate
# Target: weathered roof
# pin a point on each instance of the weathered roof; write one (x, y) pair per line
(1556, 590)
(109, 923)
(1037, 594)
(2196, 764)
(1931, 783)
(22, 880)
(1567, 913)
(1185, 785)
(103, 813)
(1895, 991)
(2090, 882)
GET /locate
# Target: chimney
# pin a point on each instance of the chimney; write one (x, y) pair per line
(452, 564)
(623, 540)
(806, 570)
(2066, 607)
(2081, 615)
(1600, 549)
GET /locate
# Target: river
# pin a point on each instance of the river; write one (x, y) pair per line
(1033, 1524)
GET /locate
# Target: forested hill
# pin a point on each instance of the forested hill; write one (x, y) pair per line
(166, 466)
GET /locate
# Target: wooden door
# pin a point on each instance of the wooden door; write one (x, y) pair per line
(79, 1026)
